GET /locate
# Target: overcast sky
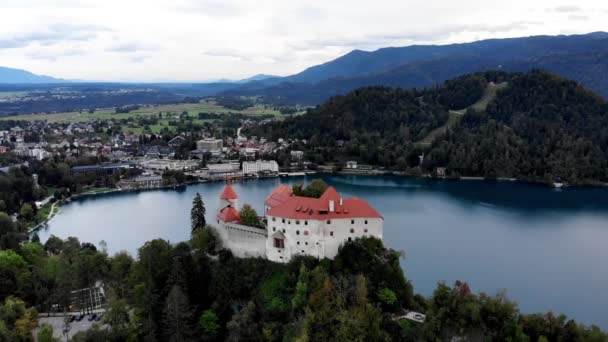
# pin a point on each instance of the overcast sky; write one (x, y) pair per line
(194, 40)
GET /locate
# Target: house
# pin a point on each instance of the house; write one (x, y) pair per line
(351, 164)
(440, 172)
(177, 141)
(297, 155)
(298, 225)
(209, 144)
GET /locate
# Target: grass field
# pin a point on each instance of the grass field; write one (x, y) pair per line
(107, 114)
(455, 115)
(4, 94)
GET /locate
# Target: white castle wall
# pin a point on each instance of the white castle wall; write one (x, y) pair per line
(243, 241)
(319, 242)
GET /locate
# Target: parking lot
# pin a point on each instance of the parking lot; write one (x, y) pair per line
(57, 322)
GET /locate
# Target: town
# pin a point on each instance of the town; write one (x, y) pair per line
(147, 160)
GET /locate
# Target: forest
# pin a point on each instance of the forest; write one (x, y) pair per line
(539, 128)
(197, 291)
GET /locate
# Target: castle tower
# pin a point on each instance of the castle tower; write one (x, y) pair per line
(228, 198)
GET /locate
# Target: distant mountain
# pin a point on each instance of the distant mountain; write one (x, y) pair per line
(258, 77)
(18, 76)
(579, 57)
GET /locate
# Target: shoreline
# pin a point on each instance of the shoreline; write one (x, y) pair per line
(375, 172)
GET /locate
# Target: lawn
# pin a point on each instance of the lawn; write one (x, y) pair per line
(5, 94)
(108, 113)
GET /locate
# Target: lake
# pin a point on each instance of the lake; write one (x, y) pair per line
(546, 246)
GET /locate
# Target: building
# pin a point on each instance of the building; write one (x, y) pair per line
(298, 225)
(316, 226)
(177, 141)
(440, 172)
(255, 168)
(88, 299)
(148, 181)
(297, 155)
(351, 164)
(209, 144)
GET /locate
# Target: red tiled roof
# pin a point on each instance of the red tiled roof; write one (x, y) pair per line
(229, 214)
(228, 193)
(281, 194)
(297, 207)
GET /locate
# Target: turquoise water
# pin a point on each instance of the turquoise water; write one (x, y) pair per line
(546, 246)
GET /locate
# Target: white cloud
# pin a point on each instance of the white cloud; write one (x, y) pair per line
(212, 39)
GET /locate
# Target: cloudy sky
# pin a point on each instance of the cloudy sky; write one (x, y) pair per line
(195, 40)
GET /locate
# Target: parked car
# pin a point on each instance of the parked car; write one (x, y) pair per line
(99, 317)
(92, 317)
(72, 318)
(79, 317)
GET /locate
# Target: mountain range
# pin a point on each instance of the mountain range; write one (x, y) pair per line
(583, 58)
(18, 76)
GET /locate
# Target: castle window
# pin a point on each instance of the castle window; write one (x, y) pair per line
(289, 222)
(350, 239)
(298, 242)
(306, 223)
(274, 229)
(274, 219)
(365, 230)
(279, 243)
(352, 221)
(297, 221)
(283, 231)
(328, 221)
(297, 232)
(306, 232)
(302, 251)
(331, 233)
(352, 231)
(306, 243)
(365, 221)
(283, 220)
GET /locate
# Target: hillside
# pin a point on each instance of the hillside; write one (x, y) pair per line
(540, 127)
(17, 76)
(583, 58)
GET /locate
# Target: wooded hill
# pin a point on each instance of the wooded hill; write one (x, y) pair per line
(536, 126)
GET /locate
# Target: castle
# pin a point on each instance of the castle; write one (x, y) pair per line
(297, 225)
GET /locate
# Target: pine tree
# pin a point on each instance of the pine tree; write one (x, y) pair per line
(177, 322)
(197, 214)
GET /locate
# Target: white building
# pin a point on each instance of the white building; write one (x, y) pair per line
(298, 225)
(209, 144)
(260, 166)
(351, 164)
(39, 153)
(297, 155)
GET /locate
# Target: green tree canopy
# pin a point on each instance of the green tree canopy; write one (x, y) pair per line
(249, 216)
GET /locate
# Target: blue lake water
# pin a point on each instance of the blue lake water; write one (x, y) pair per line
(547, 247)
